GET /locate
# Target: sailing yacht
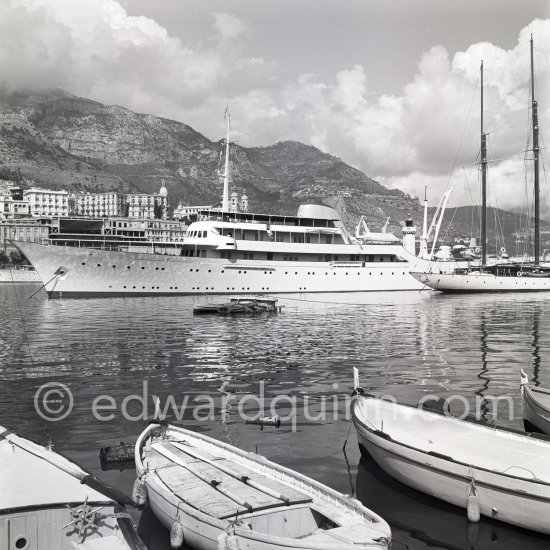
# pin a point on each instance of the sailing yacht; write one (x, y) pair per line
(499, 277)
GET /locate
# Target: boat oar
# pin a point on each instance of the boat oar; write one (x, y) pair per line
(245, 479)
(212, 482)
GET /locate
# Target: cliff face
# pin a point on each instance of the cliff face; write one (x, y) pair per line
(62, 141)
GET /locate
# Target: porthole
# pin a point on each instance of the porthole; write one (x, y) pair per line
(142, 267)
(128, 267)
(124, 286)
(21, 543)
(114, 267)
(209, 271)
(83, 263)
(98, 265)
(223, 271)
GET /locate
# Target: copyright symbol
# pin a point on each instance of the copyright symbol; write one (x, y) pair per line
(53, 401)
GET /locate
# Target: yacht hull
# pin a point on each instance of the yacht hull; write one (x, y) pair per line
(452, 282)
(82, 272)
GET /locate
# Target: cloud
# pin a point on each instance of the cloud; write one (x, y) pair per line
(424, 134)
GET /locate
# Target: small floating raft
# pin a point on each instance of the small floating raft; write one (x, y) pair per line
(240, 306)
(212, 495)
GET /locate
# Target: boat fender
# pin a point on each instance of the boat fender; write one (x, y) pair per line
(139, 493)
(176, 535)
(520, 273)
(472, 507)
(228, 542)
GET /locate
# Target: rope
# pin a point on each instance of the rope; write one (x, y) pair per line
(347, 461)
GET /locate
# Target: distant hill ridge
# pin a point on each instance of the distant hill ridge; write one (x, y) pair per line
(62, 141)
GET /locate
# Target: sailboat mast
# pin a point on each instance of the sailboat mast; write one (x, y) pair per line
(535, 158)
(225, 200)
(483, 182)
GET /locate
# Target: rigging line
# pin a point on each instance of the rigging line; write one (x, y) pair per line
(315, 301)
(22, 321)
(43, 286)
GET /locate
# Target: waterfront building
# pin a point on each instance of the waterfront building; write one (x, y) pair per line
(185, 212)
(47, 202)
(28, 230)
(99, 205)
(12, 203)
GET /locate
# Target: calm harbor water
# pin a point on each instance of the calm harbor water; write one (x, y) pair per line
(404, 344)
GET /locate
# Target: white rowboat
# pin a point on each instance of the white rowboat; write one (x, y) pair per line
(536, 405)
(217, 496)
(445, 457)
(48, 502)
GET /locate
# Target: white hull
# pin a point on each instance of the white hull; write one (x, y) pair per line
(82, 272)
(202, 531)
(536, 406)
(452, 282)
(10, 275)
(512, 495)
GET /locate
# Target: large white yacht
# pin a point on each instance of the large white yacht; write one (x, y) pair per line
(235, 252)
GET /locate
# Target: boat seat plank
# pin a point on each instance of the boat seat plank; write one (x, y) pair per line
(190, 489)
(293, 495)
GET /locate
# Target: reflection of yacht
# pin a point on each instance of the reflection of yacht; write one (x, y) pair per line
(422, 522)
(14, 273)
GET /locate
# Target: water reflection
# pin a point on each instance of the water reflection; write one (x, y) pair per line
(404, 344)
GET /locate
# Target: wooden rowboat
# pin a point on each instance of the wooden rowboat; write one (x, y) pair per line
(48, 502)
(536, 406)
(498, 473)
(212, 495)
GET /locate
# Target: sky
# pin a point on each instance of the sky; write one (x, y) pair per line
(389, 86)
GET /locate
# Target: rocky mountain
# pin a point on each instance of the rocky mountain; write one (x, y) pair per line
(60, 141)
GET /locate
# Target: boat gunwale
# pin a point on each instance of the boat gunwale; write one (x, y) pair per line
(527, 397)
(448, 458)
